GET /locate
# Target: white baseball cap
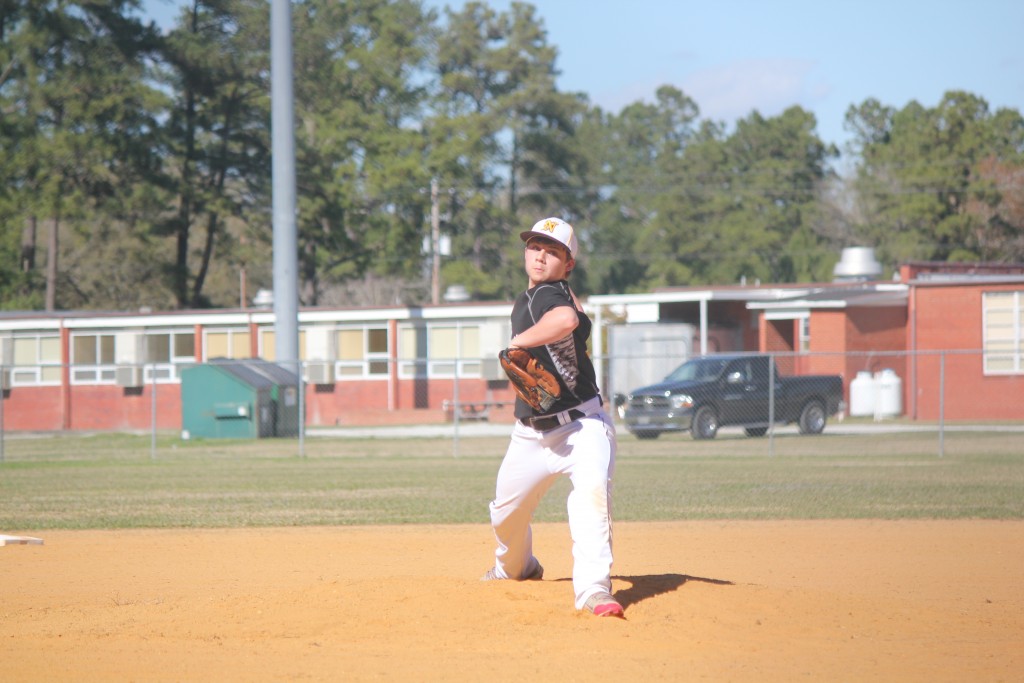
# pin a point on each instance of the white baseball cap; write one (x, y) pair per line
(554, 229)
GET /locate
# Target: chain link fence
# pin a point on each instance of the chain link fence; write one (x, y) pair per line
(775, 403)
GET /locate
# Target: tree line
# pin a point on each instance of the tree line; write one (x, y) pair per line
(135, 164)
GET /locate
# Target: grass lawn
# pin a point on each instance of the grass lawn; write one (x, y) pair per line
(113, 481)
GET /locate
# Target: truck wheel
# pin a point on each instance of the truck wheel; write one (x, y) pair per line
(705, 423)
(813, 418)
(756, 431)
(647, 434)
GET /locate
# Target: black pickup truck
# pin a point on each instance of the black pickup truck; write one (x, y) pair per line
(706, 393)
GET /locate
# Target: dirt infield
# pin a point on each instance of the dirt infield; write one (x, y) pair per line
(720, 601)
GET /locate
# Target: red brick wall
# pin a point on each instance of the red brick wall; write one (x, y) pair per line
(846, 341)
(110, 407)
(107, 407)
(779, 336)
(828, 335)
(950, 318)
(875, 331)
(33, 409)
(92, 408)
(416, 401)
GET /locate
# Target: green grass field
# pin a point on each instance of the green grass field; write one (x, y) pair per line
(117, 481)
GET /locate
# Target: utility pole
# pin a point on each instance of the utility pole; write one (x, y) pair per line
(51, 263)
(435, 245)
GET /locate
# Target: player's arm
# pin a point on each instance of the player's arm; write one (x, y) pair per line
(554, 325)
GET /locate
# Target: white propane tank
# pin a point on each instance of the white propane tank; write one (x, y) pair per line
(863, 394)
(890, 394)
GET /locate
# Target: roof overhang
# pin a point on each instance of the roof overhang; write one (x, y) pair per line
(874, 296)
(692, 295)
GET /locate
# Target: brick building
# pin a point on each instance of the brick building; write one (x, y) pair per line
(938, 327)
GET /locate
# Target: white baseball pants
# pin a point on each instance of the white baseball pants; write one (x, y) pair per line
(585, 451)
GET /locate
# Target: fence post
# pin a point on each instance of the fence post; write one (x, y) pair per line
(2, 430)
(942, 403)
(300, 381)
(152, 401)
(455, 408)
(771, 406)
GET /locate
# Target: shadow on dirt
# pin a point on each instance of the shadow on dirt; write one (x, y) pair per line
(650, 585)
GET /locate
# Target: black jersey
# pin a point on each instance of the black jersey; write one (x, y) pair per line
(567, 357)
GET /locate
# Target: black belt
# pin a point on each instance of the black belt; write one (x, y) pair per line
(548, 422)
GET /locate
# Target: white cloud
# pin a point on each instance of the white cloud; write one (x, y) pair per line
(731, 91)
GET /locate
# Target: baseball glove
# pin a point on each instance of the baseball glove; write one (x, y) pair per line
(534, 383)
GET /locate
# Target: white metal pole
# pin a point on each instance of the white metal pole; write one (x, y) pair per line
(286, 254)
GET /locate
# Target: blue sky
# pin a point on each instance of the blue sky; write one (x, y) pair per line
(735, 56)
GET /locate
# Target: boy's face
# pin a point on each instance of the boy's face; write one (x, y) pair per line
(546, 261)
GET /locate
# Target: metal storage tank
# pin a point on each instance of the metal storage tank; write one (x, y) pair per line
(863, 394)
(890, 394)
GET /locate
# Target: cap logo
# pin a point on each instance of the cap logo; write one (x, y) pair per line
(554, 229)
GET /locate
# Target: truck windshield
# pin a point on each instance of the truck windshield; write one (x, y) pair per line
(699, 370)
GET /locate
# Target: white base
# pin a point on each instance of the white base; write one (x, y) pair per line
(19, 540)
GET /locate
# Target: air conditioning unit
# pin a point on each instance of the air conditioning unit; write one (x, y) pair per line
(490, 369)
(320, 372)
(129, 376)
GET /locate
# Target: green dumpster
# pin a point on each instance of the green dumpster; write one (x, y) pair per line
(284, 394)
(238, 399)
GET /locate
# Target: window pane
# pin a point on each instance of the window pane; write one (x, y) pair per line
(378, 367)
(25, 351)
(407, 343)
(1000, 346)
(999, 318)
(158, 348)
(999, 300)
(1003, 332)
(216, 345)
(999, 364)
(106, 348)
(184, 345)
(49, 349)
(268, 345)
(350, 344)
(51, 374)
(240, 345)
(83, 350)
(377, 341)
(442, 342)
(470, 342)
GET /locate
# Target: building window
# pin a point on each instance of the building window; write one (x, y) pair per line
(227, 344)
(34, 359)
(1003, 336)
(92, 358)
(268, 346)
(167, 353)
(362, 352)
(805, 334)
(449, 350)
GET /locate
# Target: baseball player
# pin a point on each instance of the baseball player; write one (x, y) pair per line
(574, 437)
